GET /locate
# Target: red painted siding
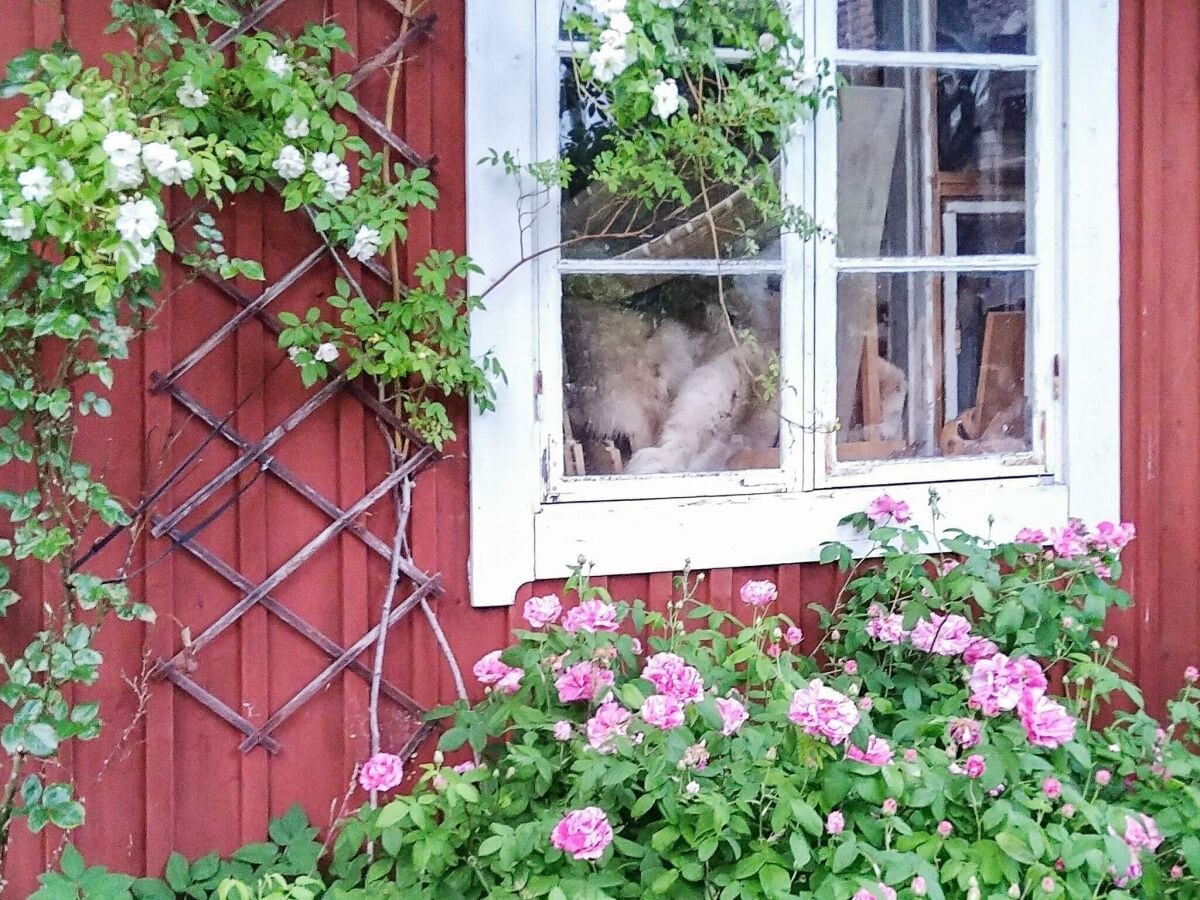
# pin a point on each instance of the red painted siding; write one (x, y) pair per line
(179, 782)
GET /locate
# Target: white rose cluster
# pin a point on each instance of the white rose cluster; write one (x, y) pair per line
(278, 65)
(614, 55)
(366, 244)
(334, 173)
(190, 96)
(128, 157)
(17, 224)
(666, 99)
(136, 223)
(63, 109)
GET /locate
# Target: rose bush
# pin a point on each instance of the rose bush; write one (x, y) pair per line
(936, 738)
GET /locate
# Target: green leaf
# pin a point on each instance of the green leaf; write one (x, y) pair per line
(177, 873)
(72, 863)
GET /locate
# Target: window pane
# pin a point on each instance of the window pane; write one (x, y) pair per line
(596, 223)
(948, 26)
(912, 143)
(933, 364)
(654, 382)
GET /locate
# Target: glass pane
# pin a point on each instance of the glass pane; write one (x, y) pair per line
(596, 223)
(655, 382)
(947, 26)
(914, 143)
(933, 364)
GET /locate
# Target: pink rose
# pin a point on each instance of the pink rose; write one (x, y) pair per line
(610, 720)
(910, 755)
(670, 675)
(836, 823)
(662, 711)
(967, 733)
(773, 651)
(823, 712)
(980, 648)
(562, 730)
(919, 887)
(733, 715)
(758, 593)
(695, 757)
(1031, 536)
(976, 766)
(1141, 833)
(582, 681)
(1103, 777)
(592, 616)
(464, 767)
(998, 683)
(1068, 542)
(1068, 810)
(1046, 723)
(1191, 674)
(877, 753)
(1052, 788)
(510, 682)
(851, 667)
(945, 829)
(583, 833)
(381, 772)
(866, 704)
(1176, 872)
(888, 628)
(949, 565)
(889, 806)
(542, 611)
(883, 508)
(1113, 537)
(793, 636)
(490, 669)
(943, 635)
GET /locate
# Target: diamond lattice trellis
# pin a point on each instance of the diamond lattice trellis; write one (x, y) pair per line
(185, 524)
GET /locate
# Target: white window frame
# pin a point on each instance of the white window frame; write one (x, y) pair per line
(525, 525)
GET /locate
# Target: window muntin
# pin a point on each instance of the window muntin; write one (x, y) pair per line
(937, 362)
(661, 330)
(965, 122)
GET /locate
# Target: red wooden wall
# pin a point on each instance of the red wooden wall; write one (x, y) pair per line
(174, 778)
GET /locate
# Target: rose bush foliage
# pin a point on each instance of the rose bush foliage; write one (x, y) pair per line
(935, 737)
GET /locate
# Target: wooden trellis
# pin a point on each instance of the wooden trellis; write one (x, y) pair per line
(184, 525)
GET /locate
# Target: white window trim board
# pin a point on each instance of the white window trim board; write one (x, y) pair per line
(517, 538)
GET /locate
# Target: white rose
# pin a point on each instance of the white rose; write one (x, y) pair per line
(666, 99)
(621, 22)
(608, 61)
(611, 37)
(125, 178)
(137, 220)
(139, 256)
(64, 109)
(163, 162)
(190, 96)
(123, 148)
(338, 187)
(670, 4)
(36, 184)
(804, 77)
(767, 42)
(366, 244)
(609, 7)
(278, 65)
(326, 353)
(325, 165)
(66, 171)
(14, 226)
(295, 127)
(289, 164)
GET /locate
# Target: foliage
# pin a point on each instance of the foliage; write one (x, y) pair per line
(86, 170)
(693, 106)
(717, 756)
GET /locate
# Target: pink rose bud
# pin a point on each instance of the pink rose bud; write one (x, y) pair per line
(851, 667)
(1068, 810)
(793, 636)
(1068, 622)
(889, 806)
(1060, 865)
(945, 829)
(1191, 674)
(836, 823)
(910, 755)
(1103, 777)
(758, 593)
(1176, 872)
(773, 651)
(1112, 642)
(1048, 885)
(976, 766)
(381, 772)
(865, 704)
(1052, 788)
(562, 730)
(918, 887)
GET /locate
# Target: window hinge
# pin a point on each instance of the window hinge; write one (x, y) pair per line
(545, 466)
(537, 395)
(1057, 377)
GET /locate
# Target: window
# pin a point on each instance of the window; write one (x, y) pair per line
(691, 383)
